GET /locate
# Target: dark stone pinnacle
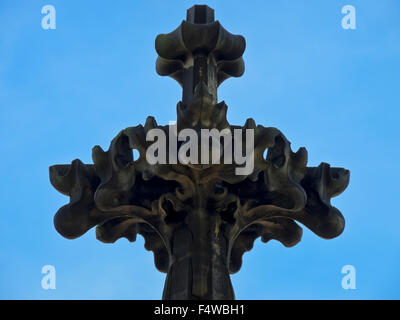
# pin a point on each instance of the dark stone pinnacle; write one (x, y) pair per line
(199, 219)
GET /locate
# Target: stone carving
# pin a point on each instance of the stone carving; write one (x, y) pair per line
(199, 219)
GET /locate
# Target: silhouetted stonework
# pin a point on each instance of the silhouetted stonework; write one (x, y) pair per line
(199, 219)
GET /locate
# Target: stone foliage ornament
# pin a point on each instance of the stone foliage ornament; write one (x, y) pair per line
(199, 219)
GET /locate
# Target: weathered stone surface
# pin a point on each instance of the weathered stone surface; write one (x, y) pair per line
(199, 220)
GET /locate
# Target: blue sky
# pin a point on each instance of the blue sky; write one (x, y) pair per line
(333, 91)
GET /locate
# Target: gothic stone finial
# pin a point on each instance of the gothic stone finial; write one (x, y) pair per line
(199, 220)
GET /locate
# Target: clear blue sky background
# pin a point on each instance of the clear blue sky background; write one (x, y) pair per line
(334, 91)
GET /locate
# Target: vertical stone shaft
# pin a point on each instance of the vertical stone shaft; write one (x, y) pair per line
(198, 262)
(199, 267)
(203, 67)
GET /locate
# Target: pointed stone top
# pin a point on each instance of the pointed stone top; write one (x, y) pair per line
(200, 14)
